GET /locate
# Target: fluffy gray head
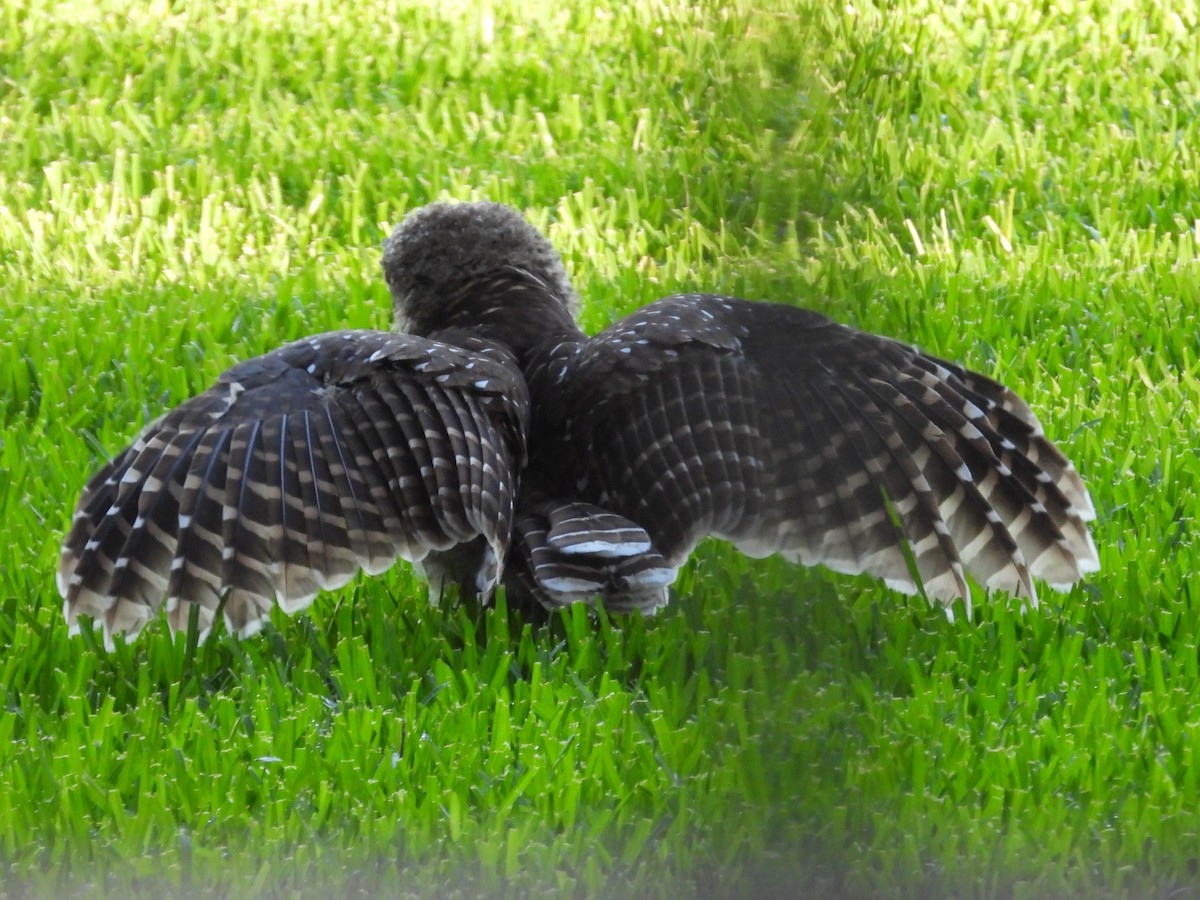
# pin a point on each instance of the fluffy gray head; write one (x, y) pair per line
(440, 248)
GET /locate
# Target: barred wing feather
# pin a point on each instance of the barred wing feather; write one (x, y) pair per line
(783, 432)
(335, 453)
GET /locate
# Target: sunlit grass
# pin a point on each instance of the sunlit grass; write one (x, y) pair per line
(183, 186)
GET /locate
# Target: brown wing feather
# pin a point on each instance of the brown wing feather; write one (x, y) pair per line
(784, 432)
(332, 454)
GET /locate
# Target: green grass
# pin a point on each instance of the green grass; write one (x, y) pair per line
(183, 186)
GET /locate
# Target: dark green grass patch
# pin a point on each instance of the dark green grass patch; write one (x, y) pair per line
(1010, 185)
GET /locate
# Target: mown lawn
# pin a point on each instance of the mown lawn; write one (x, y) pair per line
(1015, 186)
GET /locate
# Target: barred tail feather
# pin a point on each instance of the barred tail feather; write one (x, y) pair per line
(570, 552)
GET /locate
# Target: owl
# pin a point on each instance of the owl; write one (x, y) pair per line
(490, 442)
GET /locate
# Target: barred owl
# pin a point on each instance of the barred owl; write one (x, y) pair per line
(490, 442)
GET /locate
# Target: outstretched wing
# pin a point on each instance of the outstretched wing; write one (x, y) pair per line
(337, 452)
(784, 432)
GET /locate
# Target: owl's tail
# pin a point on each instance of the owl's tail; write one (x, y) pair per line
(568, 552)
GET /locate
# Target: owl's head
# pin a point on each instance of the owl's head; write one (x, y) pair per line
(445, 255)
